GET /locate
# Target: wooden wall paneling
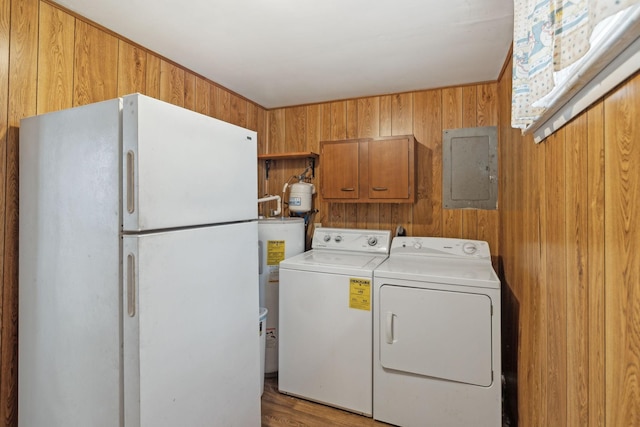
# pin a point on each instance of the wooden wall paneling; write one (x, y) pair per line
(132, 69)
(556, 279)
(531, 276)
(595, 265)
(402, 124)
(469, 120)
(237, 110)
(203, 96)
(5, 30)
(385, 221)
(351, 210)
(96, 65)
(275, 144)
(152, 79)
(451, 119)
(368, 126)
(368, 117)
(401, 114)
(23, 65)
(487, 115)
(427, 128)
(622, 246)
(322, 216)
(189, 91)
(338, 131)
(385, 115)
(171, 83)
(55, 59)
(220, 100)
(576, 220)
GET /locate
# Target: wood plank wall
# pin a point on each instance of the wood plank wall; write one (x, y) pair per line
(51, 59)
(424, 114)
(569, 245)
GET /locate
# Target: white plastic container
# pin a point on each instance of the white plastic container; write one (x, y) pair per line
(300, 197)
(262, 326)
(279, 238)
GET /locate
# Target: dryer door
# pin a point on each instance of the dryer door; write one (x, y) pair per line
(436, 333)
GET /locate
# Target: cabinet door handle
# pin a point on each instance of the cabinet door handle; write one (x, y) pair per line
(347, 189)
(379, 188)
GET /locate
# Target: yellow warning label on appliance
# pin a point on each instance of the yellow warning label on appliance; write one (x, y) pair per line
(275, 252)
(360, 294)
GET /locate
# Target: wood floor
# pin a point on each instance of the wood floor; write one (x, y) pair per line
(281, 410)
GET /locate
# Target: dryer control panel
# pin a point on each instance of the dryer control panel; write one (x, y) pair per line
(351, 239)
(441, 247)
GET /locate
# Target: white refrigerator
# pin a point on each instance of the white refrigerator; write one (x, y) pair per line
(138, 270)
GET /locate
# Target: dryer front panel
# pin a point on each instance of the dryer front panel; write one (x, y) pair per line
(436, 333)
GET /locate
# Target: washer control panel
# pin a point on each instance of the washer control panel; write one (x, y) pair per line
(351, 239)
(440, 247)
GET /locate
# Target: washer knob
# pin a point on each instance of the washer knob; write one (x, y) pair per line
(372, 241)
(326, 238)
(469, 248)
(338, 239)
(417, 245)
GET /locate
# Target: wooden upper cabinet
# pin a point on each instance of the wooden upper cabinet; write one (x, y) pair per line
(341, 163)
(369, 170)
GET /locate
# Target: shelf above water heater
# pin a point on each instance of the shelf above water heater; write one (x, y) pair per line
(309, 155)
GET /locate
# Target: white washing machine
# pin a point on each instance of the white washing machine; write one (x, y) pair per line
(326, 321)
(437, 335)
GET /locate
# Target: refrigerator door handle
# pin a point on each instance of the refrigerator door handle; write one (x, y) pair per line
(130, 182)
(131, 285)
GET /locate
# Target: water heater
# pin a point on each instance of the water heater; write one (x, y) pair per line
(279, 238)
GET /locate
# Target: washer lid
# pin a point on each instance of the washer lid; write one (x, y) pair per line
(332, 261)
(467, 272)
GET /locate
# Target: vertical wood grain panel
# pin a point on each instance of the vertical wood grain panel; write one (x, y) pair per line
(190, 91)
(203, 96)
(595, 263)
(295, 129)
(55, 59)
(338, 131)
(96, 65)
(171, 83)
(451, 119)
(427, 128)
(469, 119)
(385, 116)
(237, 110)
(576, 205)
(487, 115)
(132, 69)
(152, 79)
(401, 114)
(23, 52)
(220, 102)
(556, 278)
(368, 117)
(622, 263)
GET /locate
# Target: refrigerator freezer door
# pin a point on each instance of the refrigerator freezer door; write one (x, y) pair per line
(191, 342)
(181, 168)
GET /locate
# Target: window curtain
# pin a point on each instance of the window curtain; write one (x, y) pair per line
(549, 37)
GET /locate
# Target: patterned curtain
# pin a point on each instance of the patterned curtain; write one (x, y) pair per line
(550, 35)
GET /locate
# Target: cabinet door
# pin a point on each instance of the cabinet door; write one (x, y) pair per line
(389, 169)
(340, 169)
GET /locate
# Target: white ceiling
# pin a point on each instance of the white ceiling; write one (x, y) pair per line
(288, 52)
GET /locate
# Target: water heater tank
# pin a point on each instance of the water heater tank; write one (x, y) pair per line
(279, 238)
(300, 197)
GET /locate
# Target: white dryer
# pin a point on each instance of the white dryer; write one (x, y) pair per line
(437, 335)
(326, 321)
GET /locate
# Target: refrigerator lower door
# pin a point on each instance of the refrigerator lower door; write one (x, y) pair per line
(191, 342)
